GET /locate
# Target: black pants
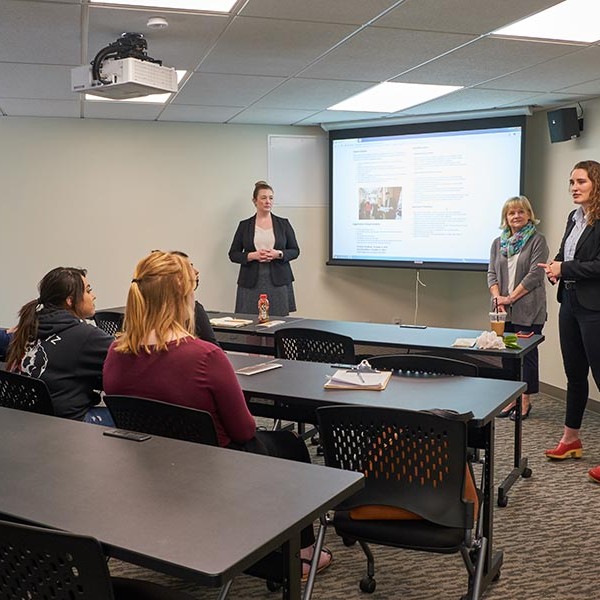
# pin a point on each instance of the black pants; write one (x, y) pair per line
(531, 361)
(282, 444)
(579, 330)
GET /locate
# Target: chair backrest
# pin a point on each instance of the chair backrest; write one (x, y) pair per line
(297, 343)
(24, 393)
(411, 460)
(423, 365)
(108, 321)
(162, 418)
(45, 563)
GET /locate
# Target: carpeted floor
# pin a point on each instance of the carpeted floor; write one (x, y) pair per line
(548, 534)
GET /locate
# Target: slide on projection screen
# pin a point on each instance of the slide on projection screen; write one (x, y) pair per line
(425, 196)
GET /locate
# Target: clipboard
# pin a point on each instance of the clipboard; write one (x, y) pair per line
(351, 380)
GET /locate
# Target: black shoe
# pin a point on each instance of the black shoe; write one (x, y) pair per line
(507, 412)
(524, 416)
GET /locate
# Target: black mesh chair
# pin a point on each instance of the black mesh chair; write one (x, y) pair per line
(297, 343)
(162, 418)
(109, 321)
(415, 465)
(312, 345)
(45, 563)
(423, 364)
(24, 393)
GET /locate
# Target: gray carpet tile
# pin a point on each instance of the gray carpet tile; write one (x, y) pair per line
(552, 512)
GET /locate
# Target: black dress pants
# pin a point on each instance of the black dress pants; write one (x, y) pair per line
(579, 330)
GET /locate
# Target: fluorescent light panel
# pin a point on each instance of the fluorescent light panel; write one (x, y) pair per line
(196, 5)
(390, 97)
(151, 99)
(569, 21)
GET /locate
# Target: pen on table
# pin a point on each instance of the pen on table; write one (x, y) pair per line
(362, 379)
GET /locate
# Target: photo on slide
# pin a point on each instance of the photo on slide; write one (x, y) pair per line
(379, 203)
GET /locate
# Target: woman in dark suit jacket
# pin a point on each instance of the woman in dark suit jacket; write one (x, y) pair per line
(576, 268)
(263, 246)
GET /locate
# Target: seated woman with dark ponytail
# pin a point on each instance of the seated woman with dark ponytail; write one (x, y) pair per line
(53, 342)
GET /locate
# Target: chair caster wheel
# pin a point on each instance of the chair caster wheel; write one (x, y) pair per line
(502, 501)
(527, 473)
(348, 542)
(367, 584)
(320, 451)
(273, 586)
(496, 576)
(314, 440)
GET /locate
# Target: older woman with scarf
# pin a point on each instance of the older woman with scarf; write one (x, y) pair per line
(516, 284)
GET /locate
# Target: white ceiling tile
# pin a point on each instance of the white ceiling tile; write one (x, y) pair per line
(271, 116)
(210, 89)
(253, 46)
(376, 54)
(39, 108)
(199, 114)
(36, 81)
(336, 116)
(352, 12)
(461, 16)
(312, 94)
(572, 69)
(468, 100)
(589, 87)
(34, 32)
(485, 59)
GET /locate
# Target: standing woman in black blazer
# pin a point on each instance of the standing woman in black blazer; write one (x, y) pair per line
(263, 246)
(576, 269)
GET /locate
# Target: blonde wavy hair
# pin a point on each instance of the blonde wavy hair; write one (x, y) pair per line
(159, 301)
(517, 202)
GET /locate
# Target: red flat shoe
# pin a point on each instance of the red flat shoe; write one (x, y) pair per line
(594, 474)
(562, 451)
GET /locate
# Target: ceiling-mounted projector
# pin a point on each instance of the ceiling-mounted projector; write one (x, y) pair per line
(124, 70)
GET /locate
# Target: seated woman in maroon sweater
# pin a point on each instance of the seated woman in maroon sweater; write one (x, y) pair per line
(158, 357)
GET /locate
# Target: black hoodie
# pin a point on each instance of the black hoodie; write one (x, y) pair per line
(68, 356)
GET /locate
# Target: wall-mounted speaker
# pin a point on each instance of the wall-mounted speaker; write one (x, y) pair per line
(563, 124)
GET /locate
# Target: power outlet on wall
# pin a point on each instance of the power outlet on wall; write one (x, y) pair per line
(397, 320)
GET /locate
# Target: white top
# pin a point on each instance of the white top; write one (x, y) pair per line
(264, 239)
(512, 270)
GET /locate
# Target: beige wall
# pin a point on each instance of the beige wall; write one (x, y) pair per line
(100, 194)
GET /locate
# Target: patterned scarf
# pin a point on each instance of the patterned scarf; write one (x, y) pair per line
(512, 244)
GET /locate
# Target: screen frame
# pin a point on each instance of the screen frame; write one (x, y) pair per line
(412, 129)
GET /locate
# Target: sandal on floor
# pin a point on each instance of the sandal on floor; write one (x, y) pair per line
(305, 563)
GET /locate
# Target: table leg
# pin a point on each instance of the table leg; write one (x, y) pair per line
(291, 568)
(520, 468)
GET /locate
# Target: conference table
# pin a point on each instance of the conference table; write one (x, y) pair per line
(492, 363)
(295, 391)
(197, 512)
(432, 340)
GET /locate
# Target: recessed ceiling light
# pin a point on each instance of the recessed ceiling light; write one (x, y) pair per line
(569, 21)
(151, 99)
(196, 5)
(391, 97)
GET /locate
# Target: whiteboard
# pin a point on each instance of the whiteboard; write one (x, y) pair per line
(298, 169)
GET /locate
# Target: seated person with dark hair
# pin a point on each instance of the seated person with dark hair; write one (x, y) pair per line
(53, 342)
(204, 329)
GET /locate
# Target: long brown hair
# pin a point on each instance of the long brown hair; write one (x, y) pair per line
(54, 289)
(158, 301)
(592, 168)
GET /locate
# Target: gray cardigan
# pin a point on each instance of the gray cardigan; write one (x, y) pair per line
(531, 308)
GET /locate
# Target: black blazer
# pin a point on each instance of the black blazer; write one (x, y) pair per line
(584, 269)
(243, 243)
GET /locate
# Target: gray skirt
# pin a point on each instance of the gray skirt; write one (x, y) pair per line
(281, 297)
